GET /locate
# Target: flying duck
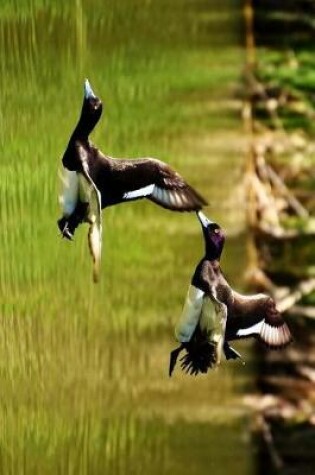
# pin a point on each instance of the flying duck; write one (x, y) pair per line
(92, 181)
(214, 314)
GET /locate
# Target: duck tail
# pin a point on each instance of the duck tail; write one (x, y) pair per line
(201, 354)
(198, 359)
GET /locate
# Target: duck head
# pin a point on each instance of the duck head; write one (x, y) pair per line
(213, 236)
(91, 111)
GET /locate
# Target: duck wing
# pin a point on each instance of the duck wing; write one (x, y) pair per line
(94, 217)
(258, 316)
(90, 194)
(213, 323)
(155, 180)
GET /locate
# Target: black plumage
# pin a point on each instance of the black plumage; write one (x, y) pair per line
(93, 181)
(215, 314)
(120, 180)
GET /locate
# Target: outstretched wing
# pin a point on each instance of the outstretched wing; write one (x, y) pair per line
(153, 179)
(258, 316)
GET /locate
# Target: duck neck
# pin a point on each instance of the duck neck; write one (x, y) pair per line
(214, 262)
(82, 130)
(212, 253)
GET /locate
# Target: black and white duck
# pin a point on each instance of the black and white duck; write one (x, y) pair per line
(214, 314)
(93, 181)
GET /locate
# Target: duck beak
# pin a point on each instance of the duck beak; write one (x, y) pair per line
(204, 220)
(88, 91)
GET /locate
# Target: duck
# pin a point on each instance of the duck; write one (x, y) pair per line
(214, 314)
(93, 181)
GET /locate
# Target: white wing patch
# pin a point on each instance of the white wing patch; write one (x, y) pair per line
(190, 314)
(253, 330)
(170, 198)
(70, 191)
(275, 337)
(140, 193)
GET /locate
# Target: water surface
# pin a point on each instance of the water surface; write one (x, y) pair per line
(83, 368)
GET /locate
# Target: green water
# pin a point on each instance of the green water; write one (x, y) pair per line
(83, 368)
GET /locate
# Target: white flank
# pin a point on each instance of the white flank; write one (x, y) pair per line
(190, 315)
(140, 193)
(253, 330)
(70, 192)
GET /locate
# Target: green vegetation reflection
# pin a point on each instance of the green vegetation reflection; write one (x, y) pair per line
(83, 368)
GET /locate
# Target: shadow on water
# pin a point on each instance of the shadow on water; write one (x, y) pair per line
(83, 368)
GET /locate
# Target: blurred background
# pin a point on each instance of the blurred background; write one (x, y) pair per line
(83, 367)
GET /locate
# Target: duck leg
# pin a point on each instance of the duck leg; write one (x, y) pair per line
(230, 353)
(68, 224)
(173, 358)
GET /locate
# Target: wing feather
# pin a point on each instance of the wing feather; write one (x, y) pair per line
(258, 316)
(159, 183)
(92, 196)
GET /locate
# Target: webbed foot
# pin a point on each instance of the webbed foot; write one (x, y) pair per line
(230, 353)
(63, 226)
(173, 359)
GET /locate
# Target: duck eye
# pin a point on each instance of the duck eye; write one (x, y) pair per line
(217, 230)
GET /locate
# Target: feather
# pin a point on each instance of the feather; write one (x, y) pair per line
(140, 193)
(91, 195)
(249, 331)
(190, 314)
(70, 191)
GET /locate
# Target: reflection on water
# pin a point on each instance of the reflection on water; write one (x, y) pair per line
(128, 444)
(83, 368)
